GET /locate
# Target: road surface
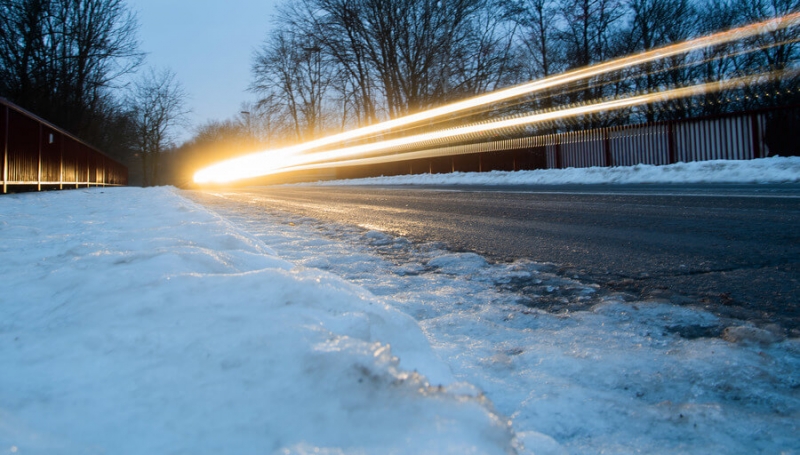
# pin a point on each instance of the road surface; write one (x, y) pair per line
(733, 249)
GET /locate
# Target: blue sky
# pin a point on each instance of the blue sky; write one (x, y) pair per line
(209, 45)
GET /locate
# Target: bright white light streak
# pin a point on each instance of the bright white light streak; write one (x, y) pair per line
(266, 162)
(336, 157)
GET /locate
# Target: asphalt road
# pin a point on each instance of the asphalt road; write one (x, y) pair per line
(733, 249)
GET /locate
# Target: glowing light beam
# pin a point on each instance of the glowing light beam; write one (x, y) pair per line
(347, 156)
(269, 161)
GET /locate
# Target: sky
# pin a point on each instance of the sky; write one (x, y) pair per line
(209, 46)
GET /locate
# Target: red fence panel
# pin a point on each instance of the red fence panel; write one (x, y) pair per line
(37, 153)
(83, 164)
(649, 144)
(51, 142)
(4, 143)
(23, 149)
(70, 161)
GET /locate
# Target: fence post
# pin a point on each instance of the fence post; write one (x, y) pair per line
(61, 162)
(670, 143)
(39, 172)
(558, 152)
(607, 148)
(5, 152)
(756, 135)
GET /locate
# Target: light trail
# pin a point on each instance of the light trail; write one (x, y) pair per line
(577, 88)
(345, 156)
(269, 161)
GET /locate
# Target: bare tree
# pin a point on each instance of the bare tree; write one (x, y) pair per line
(482, 59)
(775, 51)
(382, 59)
(588, 37)
(415, 45)
(589, 28)
(341, 33)
(158, 105)
(538, 44)
(655, 23)
(59, 58)
(293, 68)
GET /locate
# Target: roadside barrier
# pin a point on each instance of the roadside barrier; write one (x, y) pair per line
(38, 155)
(738, 136)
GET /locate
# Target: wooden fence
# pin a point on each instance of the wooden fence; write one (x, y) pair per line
(39, 155)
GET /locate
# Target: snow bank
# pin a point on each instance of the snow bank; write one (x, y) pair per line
(767, 170)
(134, 321)
(606, 374)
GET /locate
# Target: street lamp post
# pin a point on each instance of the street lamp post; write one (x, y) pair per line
(249, 130)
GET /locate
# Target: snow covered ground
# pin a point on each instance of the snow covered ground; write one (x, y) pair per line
(767, 170)
(138, 321)
(134, 321)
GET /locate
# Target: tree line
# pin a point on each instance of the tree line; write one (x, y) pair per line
(77, 64)
(329, 65)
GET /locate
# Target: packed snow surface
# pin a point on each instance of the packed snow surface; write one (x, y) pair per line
(138, 321)
(133, 321)
(765, 170)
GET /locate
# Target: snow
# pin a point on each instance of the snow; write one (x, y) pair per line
(606, 374)
(764, 170)
(140, 321)
(135, 321)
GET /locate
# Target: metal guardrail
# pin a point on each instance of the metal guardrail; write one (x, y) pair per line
(38, 154)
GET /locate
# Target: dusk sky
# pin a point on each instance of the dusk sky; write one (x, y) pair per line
(209, 45)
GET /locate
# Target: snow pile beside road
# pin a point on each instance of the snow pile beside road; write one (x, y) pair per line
(766, 170)
(598, 372)
(134, 321)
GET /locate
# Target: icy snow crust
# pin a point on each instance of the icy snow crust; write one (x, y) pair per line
(764, 170)
(134, 321)
(615, 378)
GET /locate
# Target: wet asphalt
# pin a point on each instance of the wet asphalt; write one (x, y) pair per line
(731, 249)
